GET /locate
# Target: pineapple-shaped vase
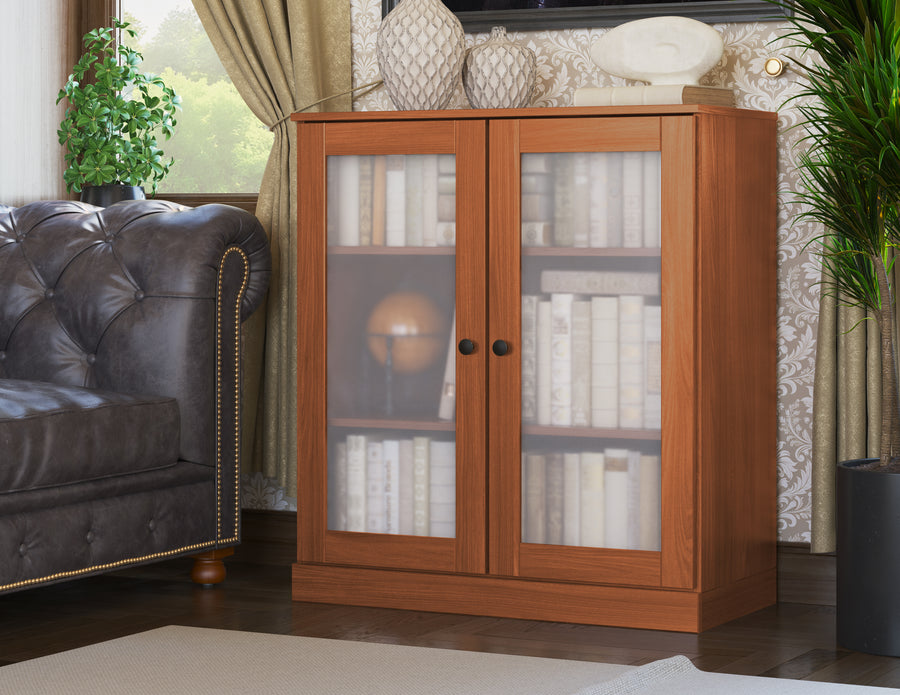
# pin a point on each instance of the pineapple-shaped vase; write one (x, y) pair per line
(499, 73)
(421, 47)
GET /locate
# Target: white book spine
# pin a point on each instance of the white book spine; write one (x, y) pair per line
(421, 485)
(534, 496)
(581, 196)
(634, 500)
(529, 357)
(348, 200)
(632, 200)
(395, 203)
(414, 200)
(651, 512)
(442, 519)
(555, 482)
(593, 500)
(356, 482)
(599, 205)
(543, 386)
(631, 361)
(652, 367)
(337, 488)
(605, 362)
(616, 483)
(652, 195)
(391, 453)
(429, 199)
(561, 360)
(405, 511)
(447, 403)
(614, 197)
(600, 282)
(375, 511)
(571, 498)
(581, 363)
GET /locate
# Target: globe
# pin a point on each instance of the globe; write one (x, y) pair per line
(413, 325)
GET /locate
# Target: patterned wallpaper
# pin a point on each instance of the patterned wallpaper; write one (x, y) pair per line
(564, 64)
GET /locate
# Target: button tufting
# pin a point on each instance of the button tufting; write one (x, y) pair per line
(23, 550)
(89, 537)
(48, 294)
(91, 359)
(152, 525)
(139, 295)
(2, 355)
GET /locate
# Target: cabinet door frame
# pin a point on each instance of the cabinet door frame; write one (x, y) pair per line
(466, 552)
(674, 565)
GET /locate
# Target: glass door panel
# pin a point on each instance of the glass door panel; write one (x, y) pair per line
(591, 349)
(391, 352)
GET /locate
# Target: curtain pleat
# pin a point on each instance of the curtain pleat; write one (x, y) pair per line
(281, 55)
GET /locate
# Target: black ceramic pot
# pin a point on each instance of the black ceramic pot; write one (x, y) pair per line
(107, 194)
(868, 559)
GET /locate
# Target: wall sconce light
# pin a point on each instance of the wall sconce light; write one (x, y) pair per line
(774, 66)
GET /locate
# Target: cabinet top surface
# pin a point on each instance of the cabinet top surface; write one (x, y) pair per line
(548, 112)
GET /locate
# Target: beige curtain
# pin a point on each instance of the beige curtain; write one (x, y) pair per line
(846, 404)
(281, 56)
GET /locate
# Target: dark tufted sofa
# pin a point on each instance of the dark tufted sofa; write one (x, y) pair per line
(120, 384)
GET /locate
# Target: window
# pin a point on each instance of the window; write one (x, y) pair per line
(219, 146)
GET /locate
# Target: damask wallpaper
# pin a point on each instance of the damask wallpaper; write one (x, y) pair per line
(564, 64)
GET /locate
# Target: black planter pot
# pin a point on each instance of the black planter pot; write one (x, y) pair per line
(868, 559)
(107, 194)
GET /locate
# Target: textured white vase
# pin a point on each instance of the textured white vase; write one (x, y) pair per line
(499, 73)
(421, 47)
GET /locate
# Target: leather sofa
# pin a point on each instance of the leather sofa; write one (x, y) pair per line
(120, 382)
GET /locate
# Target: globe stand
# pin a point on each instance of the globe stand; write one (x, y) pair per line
(388, 366)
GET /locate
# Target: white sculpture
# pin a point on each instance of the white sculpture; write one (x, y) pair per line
(659, 50)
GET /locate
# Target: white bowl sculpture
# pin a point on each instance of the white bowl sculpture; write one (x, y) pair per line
(659, 50)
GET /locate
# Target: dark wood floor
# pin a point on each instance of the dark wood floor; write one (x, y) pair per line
(787, 641)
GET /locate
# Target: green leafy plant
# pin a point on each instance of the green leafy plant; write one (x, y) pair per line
(851, 168)
(115, 113)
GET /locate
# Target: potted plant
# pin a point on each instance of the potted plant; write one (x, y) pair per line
(115, 113)
(851, 177)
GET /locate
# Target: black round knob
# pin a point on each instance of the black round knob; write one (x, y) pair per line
(500, 347)
(466, 346)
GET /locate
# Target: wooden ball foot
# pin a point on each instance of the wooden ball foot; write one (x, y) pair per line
(208, 567)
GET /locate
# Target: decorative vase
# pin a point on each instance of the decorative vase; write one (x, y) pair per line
(109, 193)
(499, 73)
(421, 47)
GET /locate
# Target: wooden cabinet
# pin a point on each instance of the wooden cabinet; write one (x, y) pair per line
(602, 449)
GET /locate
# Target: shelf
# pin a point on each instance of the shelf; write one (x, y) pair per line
(592, 432)
(616, 252)
(391, 250)
(383, 424)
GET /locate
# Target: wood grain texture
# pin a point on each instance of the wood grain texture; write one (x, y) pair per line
(590, 135)
(590, 565)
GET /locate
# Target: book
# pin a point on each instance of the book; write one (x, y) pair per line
(652, 195)
(537, 233)
(534, 512)
(442, 493)
(447, 403)
(529, 357)
(332, 207)
(593, 499)
(581, 363)
(405, 503)
(395, 200)
(598, 209)
(421, 486)
(446, 201)
(605, 362)
(561, 359)
(632, 199)
(652, 367)
(543, 351)
(614, 199)
(375, 511)
(337, 488)
(414, 200)
(379, 199)
(653, 94)
(616, 489)
(356, 482)
(633, 511)
(429, 199)
(580, 200)
(563, 200)
(650, 500)
(614, 282)
(555, 490)
(348, 200)
(366, 174)
(391, 459)
(631, 361)
(571, 498)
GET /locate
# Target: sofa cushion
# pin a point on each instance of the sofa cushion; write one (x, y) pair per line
(58, 435)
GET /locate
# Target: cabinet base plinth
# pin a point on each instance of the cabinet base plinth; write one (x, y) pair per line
(501, 597)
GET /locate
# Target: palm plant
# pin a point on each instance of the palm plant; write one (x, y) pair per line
(851, 169)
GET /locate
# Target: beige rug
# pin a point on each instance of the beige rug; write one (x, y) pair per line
(197, 661)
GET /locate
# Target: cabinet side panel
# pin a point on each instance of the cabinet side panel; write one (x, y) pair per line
(679, 388)
(737, 300)
(504, 373)
(311, 343)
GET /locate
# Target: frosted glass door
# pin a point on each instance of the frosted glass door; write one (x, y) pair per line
(391, 345)
(591, 349)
